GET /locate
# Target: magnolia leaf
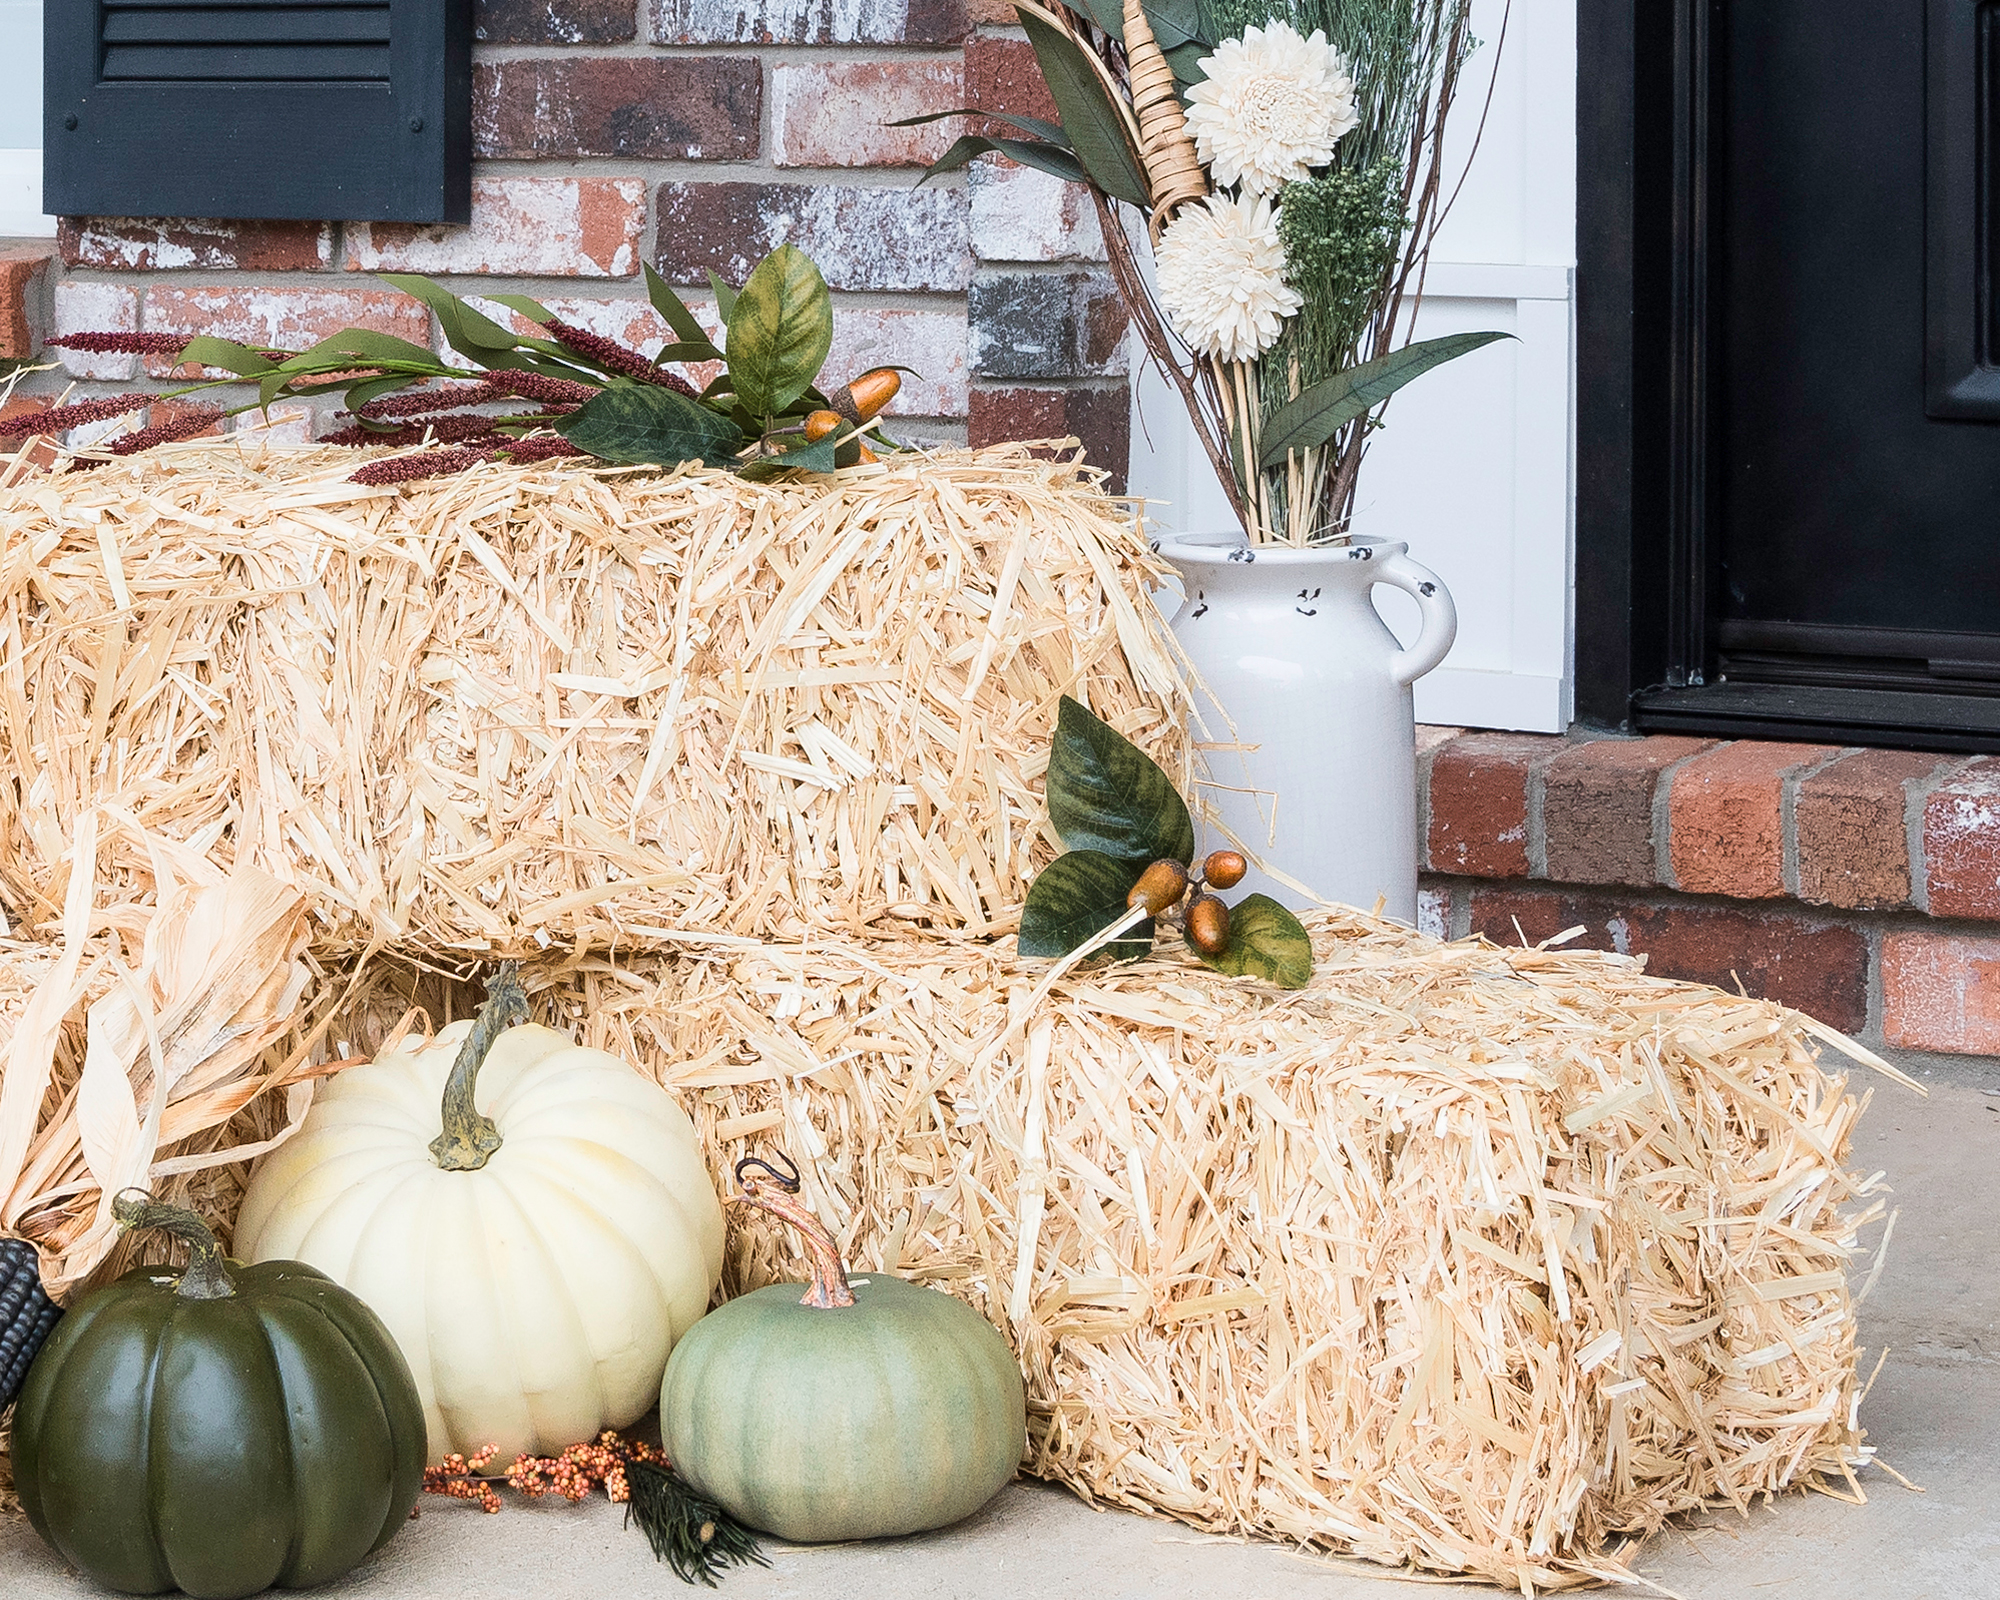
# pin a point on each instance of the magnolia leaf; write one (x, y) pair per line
(815, 457)
(1092, 123)
(1265, 941)
(1315, 416)
(646, 423)
(1107, 794)
(1076, 897)
(674, 312)
(780, 330)
(1055, 160)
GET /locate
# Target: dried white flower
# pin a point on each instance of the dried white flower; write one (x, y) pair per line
(1222, 277)
(1273, 108)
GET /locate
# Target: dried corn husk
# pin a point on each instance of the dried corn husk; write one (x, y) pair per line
(127, 1051)
(1466, 1258)
(526, 705)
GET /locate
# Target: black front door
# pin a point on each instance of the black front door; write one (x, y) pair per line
(1825, 344)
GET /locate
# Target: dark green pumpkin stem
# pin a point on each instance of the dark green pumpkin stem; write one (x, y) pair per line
(204, 1277)
(771, 1191)
(469, 1139)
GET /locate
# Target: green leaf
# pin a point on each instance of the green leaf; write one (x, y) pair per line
(1315, 416)
(469, 332)
(1108, 15)
(1076, 897)
(725, 297)
(530, 308)
(1265, 941)
(1094, 125)
(780, 330)
(359, 394)
(363, 344)
(1035, 127)
(1107, 794)
(674, 312)
(1178, 22)
(1049, 158)
(1186, 60)
(818, 456)
(228, 356)
(645, 423)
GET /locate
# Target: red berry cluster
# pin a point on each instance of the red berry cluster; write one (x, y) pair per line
(570, 1474)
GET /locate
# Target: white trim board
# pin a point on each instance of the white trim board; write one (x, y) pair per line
(21, 215)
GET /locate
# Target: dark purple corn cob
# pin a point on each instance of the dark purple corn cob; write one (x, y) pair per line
(27, 1316)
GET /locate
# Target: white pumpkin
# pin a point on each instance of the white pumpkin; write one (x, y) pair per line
(537, 1294)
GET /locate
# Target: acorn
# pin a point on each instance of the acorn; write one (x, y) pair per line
(1159, 888)
(819, 424)
(1208, 925)
(860, 400)
(1224, 869)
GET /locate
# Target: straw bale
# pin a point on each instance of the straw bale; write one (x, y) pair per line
(1469, 1259)
(524, 706)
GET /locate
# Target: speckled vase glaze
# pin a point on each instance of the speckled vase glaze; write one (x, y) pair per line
(1303, 694)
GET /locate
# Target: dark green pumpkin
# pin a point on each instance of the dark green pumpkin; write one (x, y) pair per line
(900, 1411)
(259, 1428)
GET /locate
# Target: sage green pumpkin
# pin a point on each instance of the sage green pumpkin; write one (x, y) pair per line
(901, 1412)
(867, 1408)
(257, 1428)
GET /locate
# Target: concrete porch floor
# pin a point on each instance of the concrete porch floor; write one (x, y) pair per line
(1934, 1414)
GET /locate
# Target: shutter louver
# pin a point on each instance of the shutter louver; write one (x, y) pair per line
(354, 110)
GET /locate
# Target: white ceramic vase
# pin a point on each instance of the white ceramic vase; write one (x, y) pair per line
(1304, 695)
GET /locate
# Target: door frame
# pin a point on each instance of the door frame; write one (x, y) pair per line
(1646, 614)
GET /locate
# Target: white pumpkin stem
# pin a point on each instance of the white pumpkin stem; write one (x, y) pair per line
(205, 1277)
(829, 1288)
(469, 1138)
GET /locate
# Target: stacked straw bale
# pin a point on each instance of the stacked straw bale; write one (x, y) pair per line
(540, 705)
(1464, 1258)
(1467, 1258)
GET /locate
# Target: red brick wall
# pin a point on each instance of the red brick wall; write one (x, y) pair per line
(695, 134)
(1862, 886)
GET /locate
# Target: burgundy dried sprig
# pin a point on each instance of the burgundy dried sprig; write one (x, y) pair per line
(124, 344)
(60, 419)
(543, 448)
(408, 469)
(452, 428)
(614, 357)
(416, 402)
(196, 419)
(536, 386)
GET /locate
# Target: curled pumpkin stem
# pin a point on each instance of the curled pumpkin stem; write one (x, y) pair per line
(205, 1277)
(470, 1137)
(770, 1190)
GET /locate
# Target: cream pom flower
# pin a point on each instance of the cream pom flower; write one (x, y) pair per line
(1222, 277)
(1273, 108)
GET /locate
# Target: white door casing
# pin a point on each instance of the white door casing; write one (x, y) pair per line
(21, 121)
(1474, 468)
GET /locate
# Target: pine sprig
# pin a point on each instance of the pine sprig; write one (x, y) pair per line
(686, 1529)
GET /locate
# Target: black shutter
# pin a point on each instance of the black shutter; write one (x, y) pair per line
(350, 110)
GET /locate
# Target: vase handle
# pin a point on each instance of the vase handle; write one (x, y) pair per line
(1440, 617)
